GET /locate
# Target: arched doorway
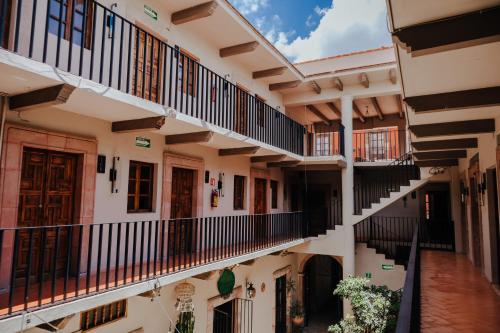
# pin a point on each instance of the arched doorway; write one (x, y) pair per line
(321, 276)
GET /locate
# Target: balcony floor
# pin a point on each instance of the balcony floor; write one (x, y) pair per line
(455, 297)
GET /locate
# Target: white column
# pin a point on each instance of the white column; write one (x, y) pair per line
(348, 194)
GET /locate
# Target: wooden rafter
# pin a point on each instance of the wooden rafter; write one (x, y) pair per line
(268, 72)
(451, 33)
(393, 76)
(284, 85)
(399, 103)
(282, 164)
(267, 158)
(314, 110)
(338, 84)
(195, 137)
(437, 163)
(334, 109)
(316, 87)
(194, 13)
(45, 97)
(455, 100)
(454, 128)
(238, 49)
(238, 151)
(358, 112)
(363, 79)
(445, 144)
(377, 107)
(142, 124)
(440, 154)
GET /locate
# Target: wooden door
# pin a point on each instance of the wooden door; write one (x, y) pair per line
(148, 64)
(181, 209)
(463, 217)
(281, 306)
(475, 213)
(46, 198)
(260, 196)
(241, 116)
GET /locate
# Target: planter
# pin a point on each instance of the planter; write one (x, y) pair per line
(298, 320)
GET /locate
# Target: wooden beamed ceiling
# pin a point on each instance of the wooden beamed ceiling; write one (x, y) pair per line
(399, 103)
(338, 84)
(194, 13)
(284, 85)
(268, 72)
(377, 107)
(267, 158)
(445, 144)
(393, 76)
(440, 154)
(454, 128)
(454, 100)
(238, 151)
(358, 112)
(334, 109)
(195, 137)
(134, 125)
(316, 87)
(40, 98)
(282, 164)
(238, 49)
(318, 114)
(474, 28)
(363, 79)
(437, 163)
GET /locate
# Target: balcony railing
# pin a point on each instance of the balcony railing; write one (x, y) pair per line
(41, 266)
(91, 41)
(326, 142)
(379, 145)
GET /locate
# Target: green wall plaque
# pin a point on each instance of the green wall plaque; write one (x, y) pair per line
(226, 282)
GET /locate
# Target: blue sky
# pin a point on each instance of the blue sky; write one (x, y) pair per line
(309, 29)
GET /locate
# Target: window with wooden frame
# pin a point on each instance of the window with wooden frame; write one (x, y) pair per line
(72, 21)
(323, 144)
(103, 314)
(261, 106)
(187, 72)
(239, 192)
(140, 187)
(274, 194)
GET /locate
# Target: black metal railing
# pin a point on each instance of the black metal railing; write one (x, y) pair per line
(370, 185)
(393, 235)
(319, 220)
(91, 41)
(409, 310)
(326, 142)
(379, 145)
(45, 265)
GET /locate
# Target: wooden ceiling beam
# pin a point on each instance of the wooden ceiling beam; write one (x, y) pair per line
(283, 164)
(338, 84)
(455, 100)
(363, 79)
(454, 128)
(268, 72)
(194, 13)
(314, 110)
(134, 125)
(440, 154)
(266, 158)
(334, 109)
(238, 151)
(393, 76)
(284, 85)
(358, 112)
(39, 98)
(316, 87)
(195, 137)
(445, 144)
(399, 103)
(377, 107)
(437, 163)
(451, 33)
(238, 49)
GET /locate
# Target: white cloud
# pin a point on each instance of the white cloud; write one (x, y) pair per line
(320, 11)
(347, 26)
(249, 6)
(310, 22)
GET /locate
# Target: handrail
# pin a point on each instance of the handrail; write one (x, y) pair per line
(409, 311)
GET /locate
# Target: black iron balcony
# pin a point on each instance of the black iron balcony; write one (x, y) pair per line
(42, 266)
(91, 41)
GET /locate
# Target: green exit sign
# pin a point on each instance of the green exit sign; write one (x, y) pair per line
(387, 267)
(150, 12)
(368, 275)
(142, 142)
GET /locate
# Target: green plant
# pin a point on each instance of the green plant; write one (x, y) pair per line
(374, 308)
(185, 322)
(290, 285)
(296, 309)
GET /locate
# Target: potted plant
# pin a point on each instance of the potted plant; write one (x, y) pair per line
(297, 313)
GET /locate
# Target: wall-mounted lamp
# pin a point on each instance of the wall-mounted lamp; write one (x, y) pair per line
(250, 290)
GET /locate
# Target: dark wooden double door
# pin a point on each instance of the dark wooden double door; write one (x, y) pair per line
(46, 199)
(181, 210)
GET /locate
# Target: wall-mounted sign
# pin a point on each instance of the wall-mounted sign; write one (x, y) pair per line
(368, 275)
(387, 267)
(226, 282)
(150, 12)
(142, 142)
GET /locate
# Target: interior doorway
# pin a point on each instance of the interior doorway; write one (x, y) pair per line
(321, 275)
(280, 305)
(46, 198)
(317, 209)
(223, 318)
(475, 211)
(492, 189)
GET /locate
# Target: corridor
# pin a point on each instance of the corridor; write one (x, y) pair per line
(455, 297)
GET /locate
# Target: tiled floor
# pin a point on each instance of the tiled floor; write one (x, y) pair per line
(455, 297)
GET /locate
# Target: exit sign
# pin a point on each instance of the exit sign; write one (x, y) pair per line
(368, 275)
(150, 12)
(387, 267)
(142, 142)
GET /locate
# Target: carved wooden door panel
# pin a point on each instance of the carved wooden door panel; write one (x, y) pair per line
(46, 198)
(147, 71)
(181, 204)
(260, 198)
